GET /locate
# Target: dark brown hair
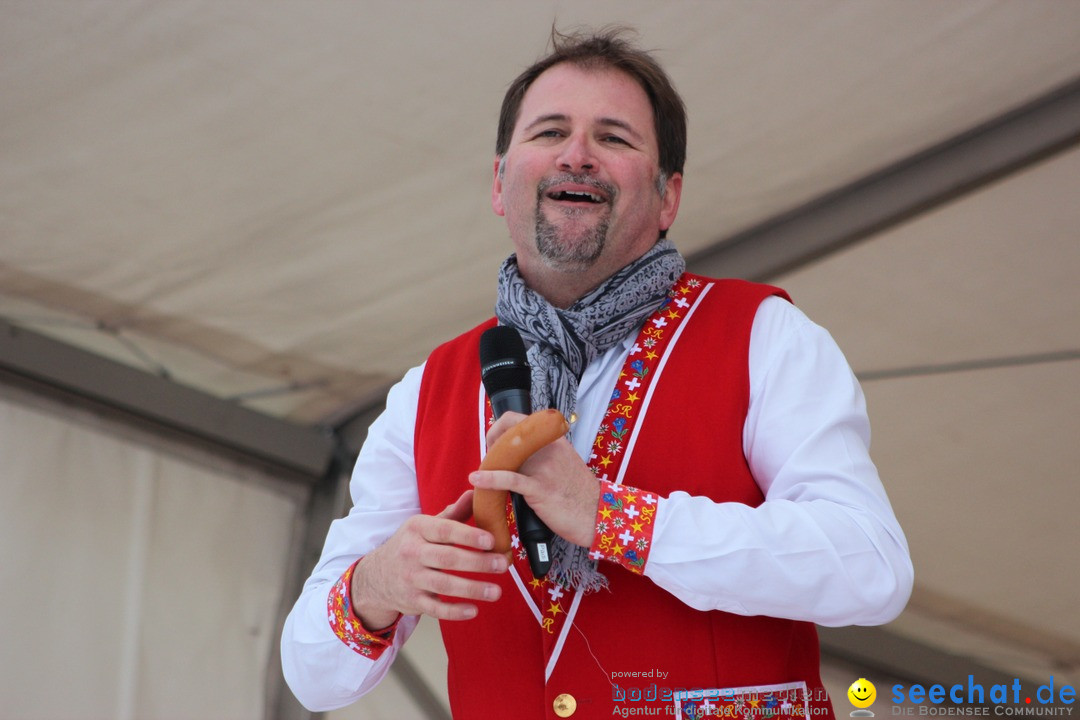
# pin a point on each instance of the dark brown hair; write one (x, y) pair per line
(606, 48)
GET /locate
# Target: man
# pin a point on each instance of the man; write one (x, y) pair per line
(715, 496)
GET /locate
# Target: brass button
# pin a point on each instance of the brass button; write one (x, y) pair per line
(565, 705)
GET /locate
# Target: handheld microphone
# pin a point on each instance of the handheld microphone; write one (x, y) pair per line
(507, 379)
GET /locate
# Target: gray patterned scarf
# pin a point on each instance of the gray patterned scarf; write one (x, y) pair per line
(562, 343)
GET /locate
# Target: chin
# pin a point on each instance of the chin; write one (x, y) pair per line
(562, 249)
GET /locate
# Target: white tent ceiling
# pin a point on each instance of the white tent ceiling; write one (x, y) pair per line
(286, 204)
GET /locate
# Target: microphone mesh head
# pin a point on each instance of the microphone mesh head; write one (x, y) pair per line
(503, 364)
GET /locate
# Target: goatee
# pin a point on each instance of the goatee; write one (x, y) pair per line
(569, 253)
(576, 244)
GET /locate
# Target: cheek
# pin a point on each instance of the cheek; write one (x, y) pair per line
(519, 187)
(520, 203)
(639, 181)
(519, 210)
(640, 206)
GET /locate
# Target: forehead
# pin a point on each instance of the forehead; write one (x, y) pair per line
(588, 95)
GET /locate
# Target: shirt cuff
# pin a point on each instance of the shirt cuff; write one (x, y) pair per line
(347, 626)
(624, 526)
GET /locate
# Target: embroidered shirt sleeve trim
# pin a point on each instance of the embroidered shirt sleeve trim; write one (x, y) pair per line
(624, 526)
(347, 626)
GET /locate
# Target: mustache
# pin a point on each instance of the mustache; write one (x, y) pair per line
(546, 183)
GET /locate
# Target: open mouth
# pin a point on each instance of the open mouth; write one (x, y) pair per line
(576, 196)
(576, 191)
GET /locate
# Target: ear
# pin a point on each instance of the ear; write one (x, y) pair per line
(670, 202)
(496, 190)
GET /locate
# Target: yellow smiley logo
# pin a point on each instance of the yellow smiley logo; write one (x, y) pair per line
(862, 693)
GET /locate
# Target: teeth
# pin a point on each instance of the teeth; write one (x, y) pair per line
(570, 195)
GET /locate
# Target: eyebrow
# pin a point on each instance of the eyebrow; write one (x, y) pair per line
(604, 121)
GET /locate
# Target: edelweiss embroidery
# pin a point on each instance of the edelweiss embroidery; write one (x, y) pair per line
(630, 511)
(347, 626)
(547, 596)
(624, 517)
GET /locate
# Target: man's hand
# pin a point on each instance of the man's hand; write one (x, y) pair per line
(555, 483)
(406, 574)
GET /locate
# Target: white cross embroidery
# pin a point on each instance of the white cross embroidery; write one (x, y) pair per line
(635, 350)
(682, 302)
(649, 499)
(659, 322)
(707, 706)
(596, 554)
(626, 537)
(633, 383)
(632, 512)
(555, 593)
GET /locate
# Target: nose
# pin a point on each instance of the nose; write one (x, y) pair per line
(576, 155)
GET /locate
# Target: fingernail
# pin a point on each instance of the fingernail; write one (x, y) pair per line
(470, 613)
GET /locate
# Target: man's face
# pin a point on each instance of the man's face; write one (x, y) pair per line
(578, 183)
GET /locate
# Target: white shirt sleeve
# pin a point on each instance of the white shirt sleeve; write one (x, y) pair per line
(321, 670)
(825, 545)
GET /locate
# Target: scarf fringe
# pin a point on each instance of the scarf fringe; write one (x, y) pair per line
(571, 567)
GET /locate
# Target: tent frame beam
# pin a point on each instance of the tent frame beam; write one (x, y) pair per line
(906, 189)
(62, 370)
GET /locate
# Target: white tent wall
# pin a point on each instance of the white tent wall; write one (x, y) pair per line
(139, 579)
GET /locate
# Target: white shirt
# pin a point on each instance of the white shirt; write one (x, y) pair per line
(824, 547)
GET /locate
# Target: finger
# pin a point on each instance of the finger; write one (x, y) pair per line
(506, 421)
(441, 610)
(501, 480)
(460, 509)
(445, 531)
(449, 557)
(454, 586)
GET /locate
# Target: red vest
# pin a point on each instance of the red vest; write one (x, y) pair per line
(634, 646)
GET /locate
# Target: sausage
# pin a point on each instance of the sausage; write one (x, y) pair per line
(510, 452)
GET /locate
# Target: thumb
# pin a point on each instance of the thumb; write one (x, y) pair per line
(460, 509)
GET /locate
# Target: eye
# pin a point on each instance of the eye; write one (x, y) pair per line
(550, 133)
(615, 139)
